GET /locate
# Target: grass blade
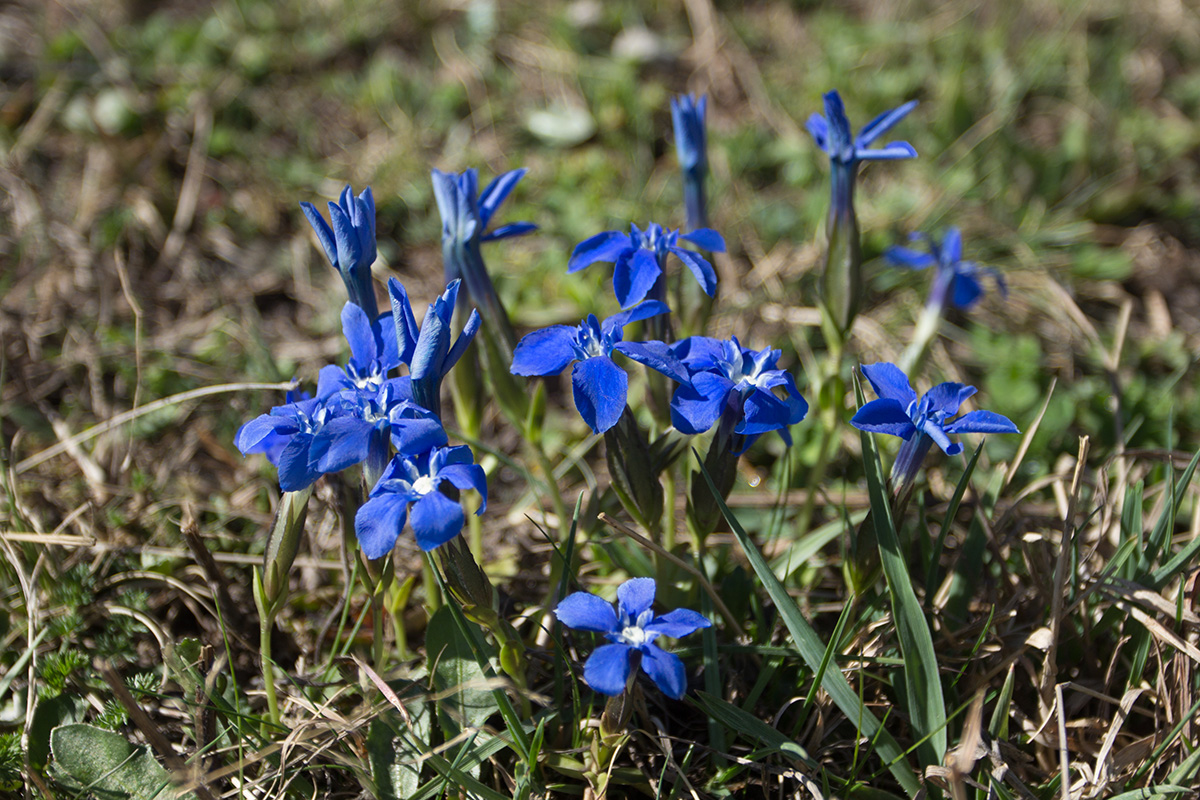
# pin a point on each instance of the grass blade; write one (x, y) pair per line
(812, 650)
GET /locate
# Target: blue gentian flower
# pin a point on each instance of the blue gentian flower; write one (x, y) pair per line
(414, 479)
(466, 215)
(631, 629)
(372, 353)
(361, 423)
(428, 352)
(922, 421)
(350, 243)
(640, 258)
(599, 385)
(293, 425)
(734, 381)
(841, 283)
(691, 146)
(955, 279)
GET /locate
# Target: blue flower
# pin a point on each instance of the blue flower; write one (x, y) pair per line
(631, 629)
(599, 385)
(691, 146)
(922, 421)
(832, 134)
(465, 217)
(428, 352)
(734, 381)
(288, 432)
(841, 281)
(955, 279)
(372, 353)
(350, 243)
(414, 479)
(640, 257)
(361, 422)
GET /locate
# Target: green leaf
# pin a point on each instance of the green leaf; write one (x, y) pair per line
(746, 724)
(812, 650)
(396, 746)
(922, 682)
(104, 764)
(455, 671)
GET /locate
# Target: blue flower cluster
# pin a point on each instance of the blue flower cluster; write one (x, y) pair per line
(366, 414)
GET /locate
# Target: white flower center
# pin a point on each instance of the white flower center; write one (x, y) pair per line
(423, 485)
(634, 636)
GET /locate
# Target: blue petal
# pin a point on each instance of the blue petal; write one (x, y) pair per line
(508, 231)
(679, 623)
(947, 397)
(935, 431)
(251, 435)
(435, 520)
(341, 443)
(600, 389)
(607, 669)
(892, 151)
(763, 412)
(883, 123)
(665, 669)
(296, 471)
(889, 382)
(356, 326)
(413, 436)
(967, 291)
(657, 356)
(884, 416)
(695, 408)
(838, 135)
(982, 422)
(819, 129)
(909, 259)
(607, 246)
(332, 379)
(445, 192)
(463, 341)
(323, 231)
(378, 524)
(496, 192)
(701, 269)
(634, 275)
(635, 596)
(706, 239)
(467, 476)
(584, 611)
(407, 331)
(699, 352)
(349, 249)
(544, 352)
(644, 310)
(434, 342)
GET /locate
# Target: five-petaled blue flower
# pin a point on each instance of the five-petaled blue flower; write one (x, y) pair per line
(733, 380)
(691, 146)
(832, 133)
(428, 352)
(293, 425)
(631, 629)
(640, 256)
(350, 243)
(922, 421)
(599, 385)
(414, 479)
(955, 279)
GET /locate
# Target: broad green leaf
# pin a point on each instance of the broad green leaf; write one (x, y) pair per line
(102, 763)
(455, 671)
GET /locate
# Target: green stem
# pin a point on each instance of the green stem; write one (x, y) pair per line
(433, 595)
(268, 667)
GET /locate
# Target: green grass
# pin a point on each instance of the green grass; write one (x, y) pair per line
(154, 159)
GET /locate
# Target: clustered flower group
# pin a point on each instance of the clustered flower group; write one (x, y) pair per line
(382, 409)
